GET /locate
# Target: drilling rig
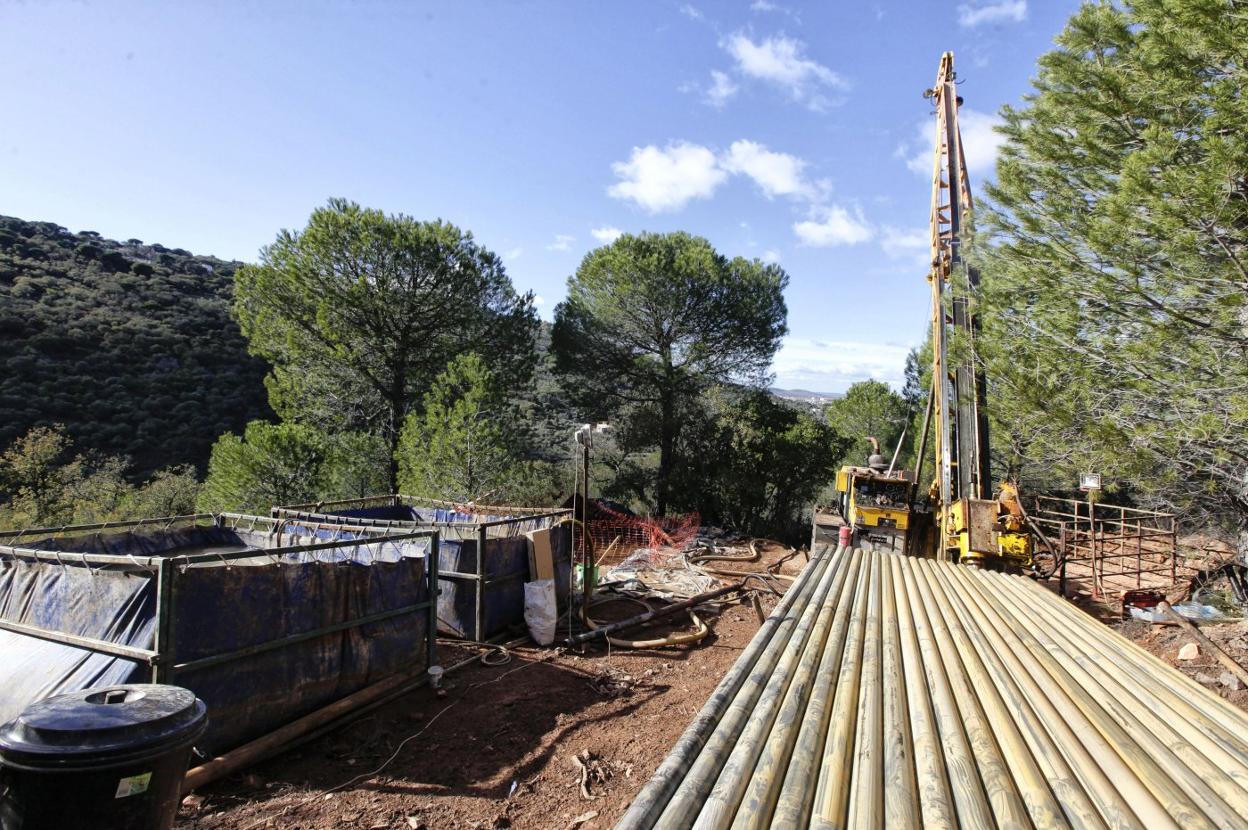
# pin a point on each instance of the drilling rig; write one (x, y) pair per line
(967, 523)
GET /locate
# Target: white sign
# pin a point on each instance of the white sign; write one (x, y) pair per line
(1090, 481)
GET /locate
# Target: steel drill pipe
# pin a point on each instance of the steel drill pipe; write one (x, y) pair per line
(659, 789)
(891, 692)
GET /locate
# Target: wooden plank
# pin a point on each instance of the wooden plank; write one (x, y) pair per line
(541, 556)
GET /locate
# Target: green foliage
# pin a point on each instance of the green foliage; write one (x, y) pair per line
(36, 474)
(464, 445)
(1117, 290)
(360, 311)
(757, 464)
(653, 319)
(136, 358)
(870, 408)
(43, 485)
(270, 464)
(359, 465)
(169, 492)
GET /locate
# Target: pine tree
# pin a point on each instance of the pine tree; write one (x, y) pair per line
(465, 445)
(1116, 304)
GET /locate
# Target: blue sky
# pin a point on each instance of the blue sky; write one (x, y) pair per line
(786, 131)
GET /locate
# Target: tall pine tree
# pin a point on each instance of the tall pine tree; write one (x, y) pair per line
(1116, 304)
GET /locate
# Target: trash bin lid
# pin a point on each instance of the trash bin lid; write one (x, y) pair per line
(111, 724)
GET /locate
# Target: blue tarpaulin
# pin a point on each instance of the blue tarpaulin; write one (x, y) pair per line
(219, 606)
(506, 560)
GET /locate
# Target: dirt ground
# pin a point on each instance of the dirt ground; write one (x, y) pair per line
(501, 749)
(1166, 640)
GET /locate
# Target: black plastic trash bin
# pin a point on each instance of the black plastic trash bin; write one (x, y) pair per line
(112, 757)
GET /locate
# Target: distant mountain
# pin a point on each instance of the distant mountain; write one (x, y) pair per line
(805, 394)
(129, 345)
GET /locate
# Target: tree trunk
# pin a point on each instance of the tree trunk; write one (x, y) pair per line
(396, 429)
(667, 434)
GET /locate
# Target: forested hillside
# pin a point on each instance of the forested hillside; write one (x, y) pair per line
(129, 345)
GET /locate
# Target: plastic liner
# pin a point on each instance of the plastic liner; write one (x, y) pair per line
(478, 600)
(231, 588)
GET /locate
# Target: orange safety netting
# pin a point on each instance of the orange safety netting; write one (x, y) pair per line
(614, 535)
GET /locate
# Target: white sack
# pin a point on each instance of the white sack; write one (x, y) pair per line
(540, 610)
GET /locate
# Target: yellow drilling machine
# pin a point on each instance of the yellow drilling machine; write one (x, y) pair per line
(966, 523)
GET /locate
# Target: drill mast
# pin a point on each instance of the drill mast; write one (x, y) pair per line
(963, 484)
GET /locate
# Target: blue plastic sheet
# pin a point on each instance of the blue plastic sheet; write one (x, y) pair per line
(219, 607)
(506, 564)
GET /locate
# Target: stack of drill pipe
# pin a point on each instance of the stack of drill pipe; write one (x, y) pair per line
(894, 692)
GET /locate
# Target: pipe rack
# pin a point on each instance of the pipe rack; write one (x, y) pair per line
(889, 691)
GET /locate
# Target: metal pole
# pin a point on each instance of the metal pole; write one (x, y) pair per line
(587, 588)
(927, 423)
(479, 634)
(1061, 584)
(435, 590)
(162, 667)
(1096, 571)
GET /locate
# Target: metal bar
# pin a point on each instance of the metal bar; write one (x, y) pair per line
(260, 648)
(479, 597)
(120, 525)
(197, 558)
(511, 577)
(363, 523)
(163, 668)
(435, 590)
(78, 641)
(922, 457)
(73, 558)
(517, 519)
(457, 575)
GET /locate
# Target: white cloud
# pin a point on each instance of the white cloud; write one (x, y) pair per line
(781, 61)
(835, 365)
(777, 174)
(763, 6)
(1003, 11)
(980, 143)
(721, 90)
(690, 11)
(514, 253)
(770, 256)
(913, 246)
(663, 179)
(834, 225)
(607, 234)
(538, 300)
(667, 179)
(562, 242)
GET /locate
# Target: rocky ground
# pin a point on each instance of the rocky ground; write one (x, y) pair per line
(1166, 642)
